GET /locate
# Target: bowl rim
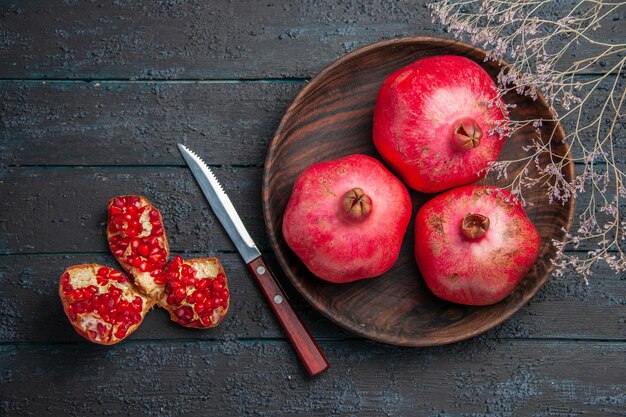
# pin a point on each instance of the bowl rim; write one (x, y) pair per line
(271, 156)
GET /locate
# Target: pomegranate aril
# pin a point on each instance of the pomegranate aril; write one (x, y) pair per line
(121, 330)
(137, 304)
(171, 299)
(180, 293)
(180, 312)
(203, 284)
(143, 250)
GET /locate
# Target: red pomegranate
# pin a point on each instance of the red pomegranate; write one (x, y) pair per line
(101, 303)
(346, 218)
(438, 122)
(196, 292)
(137, 240)
(474, 244)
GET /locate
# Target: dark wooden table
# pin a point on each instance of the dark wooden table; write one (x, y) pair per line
(94, 97)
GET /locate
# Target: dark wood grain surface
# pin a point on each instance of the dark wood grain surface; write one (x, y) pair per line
(93, 99)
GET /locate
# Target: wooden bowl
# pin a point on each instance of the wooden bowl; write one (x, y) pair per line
(332, 117)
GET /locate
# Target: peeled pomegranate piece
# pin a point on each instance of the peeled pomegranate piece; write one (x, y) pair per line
(438, 122)
(346, 218)
(137, 239)
(196, 292)
(101, 303)
(474, 244)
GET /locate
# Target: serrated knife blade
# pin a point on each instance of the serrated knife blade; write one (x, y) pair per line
(306, 348)
(221, 205)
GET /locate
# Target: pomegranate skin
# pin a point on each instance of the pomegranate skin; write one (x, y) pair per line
(418, 110)
(468, 265)
(340, 243)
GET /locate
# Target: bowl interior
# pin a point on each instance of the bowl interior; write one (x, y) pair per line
(331, 118)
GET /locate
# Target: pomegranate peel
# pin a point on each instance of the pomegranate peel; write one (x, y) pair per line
(196, 294)
(474, 244)
(101, 303)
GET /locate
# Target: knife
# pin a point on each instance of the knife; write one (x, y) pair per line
(306, 348)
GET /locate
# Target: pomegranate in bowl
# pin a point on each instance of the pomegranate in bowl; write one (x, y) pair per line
(346, 218)
(474, 244)
(438, 122)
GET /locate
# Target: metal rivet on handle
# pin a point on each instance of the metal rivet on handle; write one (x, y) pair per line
(278, 299)
(260, 270)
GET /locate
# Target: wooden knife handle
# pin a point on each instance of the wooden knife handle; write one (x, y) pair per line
(308, 351)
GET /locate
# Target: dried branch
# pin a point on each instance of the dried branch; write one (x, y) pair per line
(538, 38)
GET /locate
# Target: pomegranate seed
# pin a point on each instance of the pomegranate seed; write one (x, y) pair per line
(198, 296)
(115, 210)
(143, 249)
(154, 214)
(132, 210)
(121, 330)
(115, 293)
(143, 266)
(180, 312)
(224, 293)
(200, 308)
(203, 283)
(217, 286)
(180, 293)
(137, 304)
